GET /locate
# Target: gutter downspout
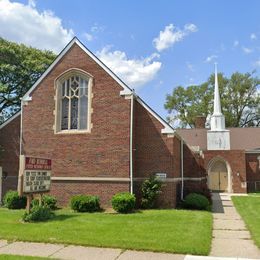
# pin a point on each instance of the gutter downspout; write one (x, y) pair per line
(182, 178)
(21, 128)
(21, 163)
(131, 142)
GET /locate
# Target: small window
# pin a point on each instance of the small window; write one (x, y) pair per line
(73, 98)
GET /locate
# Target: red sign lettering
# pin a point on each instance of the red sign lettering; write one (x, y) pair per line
(32, 163)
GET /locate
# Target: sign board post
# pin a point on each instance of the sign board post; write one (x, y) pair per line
(34, 177)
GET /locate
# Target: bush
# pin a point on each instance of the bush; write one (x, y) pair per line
(13, 201)
(85, 203)
(151, 188)
(47, 201)
(202, 189)
(196, 201)
(38, 213)
(123, 202)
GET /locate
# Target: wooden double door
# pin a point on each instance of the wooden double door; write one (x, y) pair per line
(218, 177)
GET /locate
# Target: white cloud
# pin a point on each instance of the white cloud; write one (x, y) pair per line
(190, 27)
(135, 72)
(210, 58)
(190, 66)
(89, 37)
(25, 24)
(171, 34)
(253, 36)
(94, 31)
(257, 63)
(236, 43)
(247, 50)
(97, 28)
(32, 3)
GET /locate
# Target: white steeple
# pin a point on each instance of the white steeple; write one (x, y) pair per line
(217, 119)
(217, 105)
(218, 138)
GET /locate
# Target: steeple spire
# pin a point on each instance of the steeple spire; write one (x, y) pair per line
(218, 138)
(217, 119)
(217, 105)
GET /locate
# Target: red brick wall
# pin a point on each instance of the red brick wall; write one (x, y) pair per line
(105, 190)
(193, 172)
(167, 198)
(253, 171)
(193, 164)
(237, 162)
(102, 153)
(154, 152)
(252, 167)
(9, 155)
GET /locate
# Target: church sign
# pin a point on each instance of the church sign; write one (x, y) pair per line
(37, 175)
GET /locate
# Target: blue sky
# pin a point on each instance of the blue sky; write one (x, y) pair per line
(153, 45)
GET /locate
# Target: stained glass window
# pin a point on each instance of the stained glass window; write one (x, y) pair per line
(74, 103)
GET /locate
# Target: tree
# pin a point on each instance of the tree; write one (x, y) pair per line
(20, 67)
(240, 100)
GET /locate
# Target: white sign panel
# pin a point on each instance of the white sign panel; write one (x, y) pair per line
(36, 181)
(161, 175)
(218, 140)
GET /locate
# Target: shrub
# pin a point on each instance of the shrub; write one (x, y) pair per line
(85, 203)
(38, 213)
(47, 201)
(196, 201)
(151, 188)
(202, 189)
(13, 201)
(123, 202)
(35, 202)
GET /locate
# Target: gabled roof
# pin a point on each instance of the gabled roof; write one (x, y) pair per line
(10, 119)
(125, 89)
(241, 138)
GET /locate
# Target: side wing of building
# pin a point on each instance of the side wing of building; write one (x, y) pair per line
(9, 154)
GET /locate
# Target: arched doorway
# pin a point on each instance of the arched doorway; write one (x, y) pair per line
(219, 177)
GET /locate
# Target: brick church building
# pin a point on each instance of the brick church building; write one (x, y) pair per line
(102, 138)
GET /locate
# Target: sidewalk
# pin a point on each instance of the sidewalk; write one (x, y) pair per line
(58, 251)
(230, 235)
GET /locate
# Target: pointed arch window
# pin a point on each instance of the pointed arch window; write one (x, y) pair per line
(73, 102)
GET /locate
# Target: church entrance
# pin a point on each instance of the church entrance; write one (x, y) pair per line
(218, 178)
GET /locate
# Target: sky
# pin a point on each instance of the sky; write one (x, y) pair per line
(153, 46)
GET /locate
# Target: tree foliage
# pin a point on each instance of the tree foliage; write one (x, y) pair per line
(20, 67)
(240, 100)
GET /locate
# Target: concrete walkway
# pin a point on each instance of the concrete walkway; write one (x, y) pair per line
(230, 235)
(79, 252)
(58, 251)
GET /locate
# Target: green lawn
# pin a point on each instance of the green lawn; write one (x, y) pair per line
(249, 209)
(177, 231)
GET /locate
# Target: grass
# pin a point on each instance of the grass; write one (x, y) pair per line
(249, 209)
(254, 193)
(175, 231)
